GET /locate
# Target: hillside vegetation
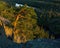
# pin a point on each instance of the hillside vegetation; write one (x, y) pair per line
(27, 24)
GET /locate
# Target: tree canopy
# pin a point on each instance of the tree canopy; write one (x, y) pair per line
(27, 25)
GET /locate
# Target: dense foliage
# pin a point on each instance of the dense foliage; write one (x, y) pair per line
(28, 24)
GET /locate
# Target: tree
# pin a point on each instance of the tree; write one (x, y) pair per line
(26, 24)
